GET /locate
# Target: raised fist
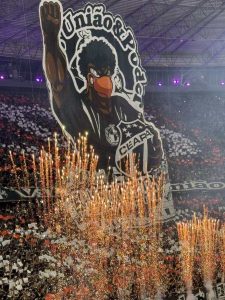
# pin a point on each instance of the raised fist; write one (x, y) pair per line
(50, 19)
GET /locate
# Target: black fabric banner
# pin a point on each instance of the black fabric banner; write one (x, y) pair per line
(24, 194)
(97, 83)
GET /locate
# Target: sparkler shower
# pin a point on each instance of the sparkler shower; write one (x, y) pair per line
(108, 236)
(116, 225)
(222, 250)
(188, 239)
(208, 230)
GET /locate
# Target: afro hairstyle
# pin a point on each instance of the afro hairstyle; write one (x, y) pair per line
(97, 53)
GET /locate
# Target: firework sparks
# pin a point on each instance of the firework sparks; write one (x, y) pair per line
(119, 224)
(14, 168)
(108, 234)
(187, 233)
(208, 237)
(222, 249)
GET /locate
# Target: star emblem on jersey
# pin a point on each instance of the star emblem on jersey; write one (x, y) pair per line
(128, 134)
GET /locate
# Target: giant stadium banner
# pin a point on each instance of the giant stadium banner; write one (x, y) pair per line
(25, 194)
(96, 84)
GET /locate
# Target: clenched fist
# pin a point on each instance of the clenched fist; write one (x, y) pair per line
(50, 19)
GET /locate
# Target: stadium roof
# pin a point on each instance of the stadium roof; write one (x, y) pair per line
(169, 32)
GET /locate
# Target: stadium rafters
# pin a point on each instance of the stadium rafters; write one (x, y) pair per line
(169, 32)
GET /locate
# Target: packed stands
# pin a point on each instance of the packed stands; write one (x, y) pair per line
(192, 129)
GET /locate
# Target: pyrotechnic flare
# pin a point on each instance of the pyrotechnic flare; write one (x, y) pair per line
(208, 237)
(14, 168)
(129, 217)
(72, 179)
(107, 233)
(222, 250)
(187, 233)
(119, 224)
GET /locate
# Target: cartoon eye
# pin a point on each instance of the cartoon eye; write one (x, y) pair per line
(93, 72)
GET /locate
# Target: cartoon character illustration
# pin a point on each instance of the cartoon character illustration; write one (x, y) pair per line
(103, 109)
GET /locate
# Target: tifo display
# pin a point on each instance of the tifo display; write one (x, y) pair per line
(111, 189)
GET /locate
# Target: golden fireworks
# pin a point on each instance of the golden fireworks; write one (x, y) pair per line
(109, 234)
(14, 169)
(208, 237)
(199, 237)
(187, 234)
(118, 224)
(222, 250)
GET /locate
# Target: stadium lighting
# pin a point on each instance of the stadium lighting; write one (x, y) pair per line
(222, 82)
(159, 84)
(188, 84)
(39, 79)
(176, 81)
(2, 77)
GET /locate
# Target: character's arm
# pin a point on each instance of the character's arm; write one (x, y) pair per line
(55, 61)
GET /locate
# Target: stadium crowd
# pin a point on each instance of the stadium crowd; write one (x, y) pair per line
(194, 148)
(192, 129)
(192, 133)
